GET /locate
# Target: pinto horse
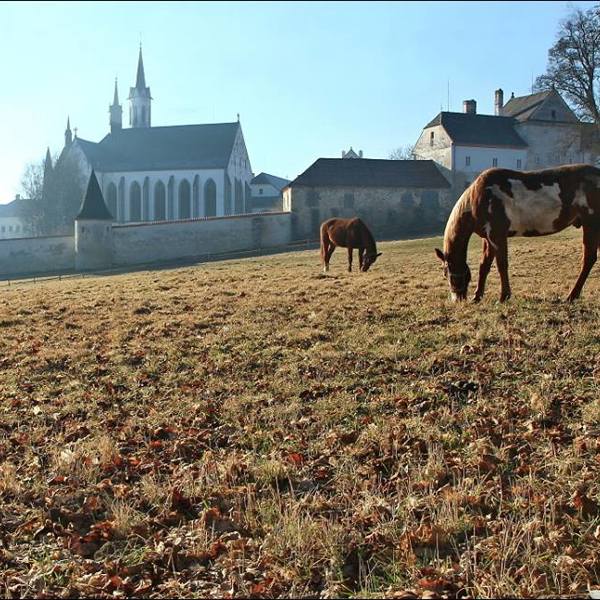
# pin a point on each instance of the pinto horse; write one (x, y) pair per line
(348, 233)
(502, 203)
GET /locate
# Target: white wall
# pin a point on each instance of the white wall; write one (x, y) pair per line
(104, 179)
(37, 254)
(482, 158)
(152, 242)
(12, 227)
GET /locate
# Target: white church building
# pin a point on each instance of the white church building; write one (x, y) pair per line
(167, 173)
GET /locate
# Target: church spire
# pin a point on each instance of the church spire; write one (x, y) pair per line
(116, 112)
(139, 98)
(140, 81)
(68, 134)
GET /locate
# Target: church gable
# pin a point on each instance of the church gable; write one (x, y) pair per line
(554, 108)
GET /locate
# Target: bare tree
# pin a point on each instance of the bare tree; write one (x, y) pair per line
(54, 196)
(403, 152)
(574, 63)
(32, 186)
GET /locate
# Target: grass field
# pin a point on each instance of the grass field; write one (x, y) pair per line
(255, 428)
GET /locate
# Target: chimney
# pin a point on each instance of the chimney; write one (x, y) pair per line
(360, 154)
(18, 197)
(470, 107)
(343, 154)
(498, 102)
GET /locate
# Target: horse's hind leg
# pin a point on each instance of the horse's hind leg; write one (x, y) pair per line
(502, 264)
(591, 238)
(349, 259)
(325, 254)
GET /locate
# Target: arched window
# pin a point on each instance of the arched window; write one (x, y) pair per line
(210, 198)
(160, 201)
(135, 202)
(185, 199)
(143, 115)
(111, 200)
(227, 194)
(239, 197)
(196, 197)
(121, 201)
(171, 198)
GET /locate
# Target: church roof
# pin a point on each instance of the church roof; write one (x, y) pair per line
(372, 172)
(93, 206)
(163, 148)
(479, 130)
(266, 179)
(14, 208)
(523, 106)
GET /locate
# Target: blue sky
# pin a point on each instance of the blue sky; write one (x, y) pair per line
(308, 78)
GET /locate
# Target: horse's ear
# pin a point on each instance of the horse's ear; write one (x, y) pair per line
(379, 253)
(440, 255)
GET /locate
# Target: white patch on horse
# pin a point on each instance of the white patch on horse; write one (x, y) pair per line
(581, 199)
(530, 210)
(488, 229)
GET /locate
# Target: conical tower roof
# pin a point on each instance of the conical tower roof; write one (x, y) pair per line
(116, 97)
(140, 81)
(93, 206)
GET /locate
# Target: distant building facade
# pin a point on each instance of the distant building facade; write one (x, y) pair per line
(12, 223)
(352, 154)
(393, 197)
(149, 173)
(527, 133)
(266, 193)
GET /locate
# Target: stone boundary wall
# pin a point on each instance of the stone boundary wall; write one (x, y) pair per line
(142, 243)
(37, 254)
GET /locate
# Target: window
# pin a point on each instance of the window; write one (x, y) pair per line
(518, 163)
(3, 228)
(553, 115)
(467, 161)
(348, 200)
(260, 191)
(494, 162)
(431, 138)
(10, 228)
(537, 160)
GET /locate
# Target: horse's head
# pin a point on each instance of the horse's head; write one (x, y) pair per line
(458, 276)
(368, 260)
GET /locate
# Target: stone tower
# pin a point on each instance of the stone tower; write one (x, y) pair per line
(93, 230)
(139, 98)
(116, 112)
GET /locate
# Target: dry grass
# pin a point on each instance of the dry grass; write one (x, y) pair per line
(254, 428)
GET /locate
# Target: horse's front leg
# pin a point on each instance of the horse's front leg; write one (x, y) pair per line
(349, 259)
(361, 258)
(591, 237)
(484, 268)
(502, 264)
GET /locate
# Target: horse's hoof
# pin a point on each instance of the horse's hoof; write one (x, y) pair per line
(476, 299)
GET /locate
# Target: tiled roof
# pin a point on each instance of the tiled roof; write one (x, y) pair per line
(157, 148)
(93, 206)
(521, 107)
(481, 130)
(14, 208)
(266, 179)
(372, 172)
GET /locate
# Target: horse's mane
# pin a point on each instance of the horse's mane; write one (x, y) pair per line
(463, 205)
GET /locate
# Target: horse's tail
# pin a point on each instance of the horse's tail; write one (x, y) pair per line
(324, 238)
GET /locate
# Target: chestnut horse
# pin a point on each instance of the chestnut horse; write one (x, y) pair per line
(348, 233)
(502, 203)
